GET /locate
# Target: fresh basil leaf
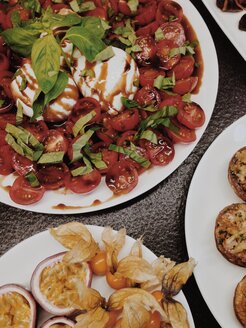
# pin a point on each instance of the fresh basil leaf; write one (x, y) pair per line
(80, 143)
(128, 103)
(82, 170)
(95, 158)
(163, 83)
(169, 124)
(87, 72)
(58, 88)
(85, 6)
(20, 40)
(177, 51)
(51, 158)
(87, 41)
(51, 20)
(46, 61)
(105, 54)
(74, 5)
(33, 5)
(149, 135)
(132, 154)
(159, 35)
(38, 105)
(19, 114)
(152, 120)
(133, 5)
(187, 98)
(11, 141)
(96, 25)
(80, 124)
(32, 179)
(2, 102)
(15, 19)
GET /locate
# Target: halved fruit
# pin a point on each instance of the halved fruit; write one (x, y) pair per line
(17, 307)
(58, 322)
(240, 301)
(53, 286)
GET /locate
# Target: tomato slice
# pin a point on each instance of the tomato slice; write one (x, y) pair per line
(85, 106)
(5, 119)
(108, 156)
(122, 177)
(148, 96)
(127, 120)
(184, 68)
(84, 183)
(174, 31)
(39, 129)
(23, 193)
(98, 12)
(147, 54)
(124, 8)
(163, 53)
(146, 14)
(22, 165)
(148, 29)
(2, 138)
(186, 85)
(148, 75)
(55, 141)
(53, 176)
(126, 138)
(191, 115)
(4, 62)
(183, 135)
(173, 101)
(6, 154)
(167, 8)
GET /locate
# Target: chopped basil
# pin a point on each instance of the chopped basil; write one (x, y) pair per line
(187, 48)
(82, 170)
(32, 179)
(19, 114)
(128, 36)
(11, 141)
(187, 98)
(135, 48)
(105, 54)
(2, 102)
(172, 18)
(28, 152)
(74, 5)
(163, 83)
(85, 6)
(149, 135)
(177, 51)
(128, 103)
(51, 158)
(17, 132)
(133, 5)
(87, 72)
(23, 83)
(159, 35)
(80, 143)
(80, 124)
(59, 87)
(132, 154)
(136, 83)
(95, 158)
(153, 120)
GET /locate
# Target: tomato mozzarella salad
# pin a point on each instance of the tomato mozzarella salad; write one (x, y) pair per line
(91, 89)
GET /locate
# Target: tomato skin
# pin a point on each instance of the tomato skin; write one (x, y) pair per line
(148, 29)
(127, 120)
(2, 138)
(148, 75)
(98, 12)
(84, 106)
(146, 14)
(123, 8)
(186, 85)
(192, 115)
(98, 264)
(168, 8)
(116, 282)
(148, 96)
(184, 135)
(55, 141)
(5, 81)
(23, 193)
(84, 183)
(184, 68)
(24, 16)
(22, 165)
(4, 62)
(155, 320)
(146, 56)
(39, 129)
(163, 49)
(126, 138)
(52, 176)
(174, 31)
(173, 101)
(108, 156)
(122, 177)
(6, 154)
(7, 118)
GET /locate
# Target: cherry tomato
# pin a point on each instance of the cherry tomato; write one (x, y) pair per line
(4, 62)
(164, 48)
(7, 118)
(146, 56)
(23, 193)
(6, 154)
(114, 6)
(85, 106)
(126, 138)
(174, 31)
(24, 16)
(55, 141)
(98, 264)
(146, 14)
(2, 138)
(5, 81)
(124, 8)
(122, 177)
(127, 120)
(148, 75)
(183, 135)
(53, 176)
(45, 3)
(116, 282)
(2, 42)
(108, 156)
(141, 152)
(84, 183)
(158, 295)
(168, 8)
(98, 12)
(184, 68)
(186, 85)
(39, 129)
(22, 165)
(192, 115)
(148, 96)
(155, 320)
(173, 101)
(148, 29)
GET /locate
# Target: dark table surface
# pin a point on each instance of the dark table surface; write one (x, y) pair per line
(159, 213)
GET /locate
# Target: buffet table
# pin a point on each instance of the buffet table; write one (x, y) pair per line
(159, 213)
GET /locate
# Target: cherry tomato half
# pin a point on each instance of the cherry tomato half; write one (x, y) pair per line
(98, 264)
(6, 154)
(148, 75)
(24, 16)
(39, 129)
(108, 156)
(147, 54)
(85, 106)
(192, 115)
(52, 176)
(2, 138)
(55, 141)
(98, 12)
(23, 193)
(183, 135)
(186, 85)
(148, 96)
(164, 48)
(146, 14)
(173, 101)
(167, 8)
(174, 31)
(184, 68)
(127, 120)
(4, 62)
(7, 118)
(22, 165)
(83, 184)
(148, 29)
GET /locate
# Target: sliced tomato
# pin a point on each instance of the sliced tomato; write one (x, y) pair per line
(146, 14)
(6, 85)
(6, 154)
(108, 156)
(173, 101)
(4, 62)
(39, 129)
(2, 138)
(85, 106)
(186, 85)
(84, 183)
(184, 68)
(148, 96)
(24, 16)
(124, 8)
(98, 12)
(55, 141)
(148, 29)
(122, 177)
(7, 118)
(23, 193)
(183, 135)
(147, 54)
(127, 120)
(164, 48)
(141, 152)
(167, 8)
(174, 31)
(107, 135)
(52, 176)
(191, 115)
(148, 75)
(126, 138)
(22, 165)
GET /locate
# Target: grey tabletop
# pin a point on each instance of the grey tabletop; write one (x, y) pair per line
(159, 213)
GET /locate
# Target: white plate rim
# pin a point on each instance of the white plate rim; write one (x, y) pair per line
(154, 176)
(190, 226)
(95, 230)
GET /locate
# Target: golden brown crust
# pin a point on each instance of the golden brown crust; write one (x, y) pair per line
(237, 173)
(230, 233)
(240, 301)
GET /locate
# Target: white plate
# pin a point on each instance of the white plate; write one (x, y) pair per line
(102, 197)
(228, 22)
(209, 193)
(18, 263)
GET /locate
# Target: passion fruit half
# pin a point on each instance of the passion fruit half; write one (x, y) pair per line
(52, 283)
(17, 307)
(58, 322)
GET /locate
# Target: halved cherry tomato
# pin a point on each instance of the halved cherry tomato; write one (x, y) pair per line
(148, 29)
(158, 295)
(126, 138)
(184, 68)
(124, 8)
(192, 115)
(114, 6)
(52, 176)
(183, 135)
(55, 141)
(108, 156)
(122, 177)
(23, 193)
(127, 120)
(98, 264)
(146, 56)
(148, 75)
(24, 16)
(186, 85)
(2, 138)
(168, 8)
(85, 106)
(22, 165)
(45, 3)
(163, 49)
(39, 129)
(155, 320)
(84, 183)
(98, 12)
(6, 154)
(174, 31)
(146, 14)
(4, 62)
(148, 96)
(5, 81)
(173, 101)
(116, 282)
(7, 118)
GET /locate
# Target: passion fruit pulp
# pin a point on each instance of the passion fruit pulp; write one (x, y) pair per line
(52, 283)
(58, 322)
(17, 307)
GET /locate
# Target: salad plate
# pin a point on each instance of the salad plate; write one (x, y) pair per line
(63, 201)
(209, 193)
(18, 263)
